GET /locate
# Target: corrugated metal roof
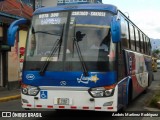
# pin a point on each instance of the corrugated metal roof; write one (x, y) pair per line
(13, 7)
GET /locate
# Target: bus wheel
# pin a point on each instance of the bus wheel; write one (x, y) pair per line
(149, 82)
(123, 109)
(145, 91)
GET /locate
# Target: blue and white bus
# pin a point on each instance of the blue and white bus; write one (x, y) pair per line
(83, 57)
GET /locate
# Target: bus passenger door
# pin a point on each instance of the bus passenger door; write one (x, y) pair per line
(122, 80)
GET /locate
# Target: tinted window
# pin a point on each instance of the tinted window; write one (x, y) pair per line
(137, 40)
(132, 39)
(124, 33)
(141, 42)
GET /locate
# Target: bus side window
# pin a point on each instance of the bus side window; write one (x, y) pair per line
(144, 42)
(141, 42)
(124, 33)
(137, 40)
(146, 48)
(147, 45)
(132, 38)
(143, 37)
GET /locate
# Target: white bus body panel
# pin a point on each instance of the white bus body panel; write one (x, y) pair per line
(79, 100)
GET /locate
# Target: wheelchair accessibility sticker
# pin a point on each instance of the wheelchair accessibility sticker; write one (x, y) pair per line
(43, 94)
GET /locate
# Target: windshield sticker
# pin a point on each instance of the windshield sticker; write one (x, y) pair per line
(83, 13)
(54, 15)
(93, 78)
(48, 15)
(43, 94)
(49, 58)
(46, 21)
(98, 14)
(44, 16)
(72, 20)
(86, 13)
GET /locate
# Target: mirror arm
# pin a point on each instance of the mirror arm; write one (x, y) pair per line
(116, 29)
(13, 29)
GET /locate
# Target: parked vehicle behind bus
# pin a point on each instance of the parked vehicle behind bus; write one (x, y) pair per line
(83, 57)
(154, 64)
(158, 64)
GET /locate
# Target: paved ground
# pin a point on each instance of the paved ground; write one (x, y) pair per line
(6, 95)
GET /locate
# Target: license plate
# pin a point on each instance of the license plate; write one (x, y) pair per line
(63, 101)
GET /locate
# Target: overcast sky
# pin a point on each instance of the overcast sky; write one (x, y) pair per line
(144, 13)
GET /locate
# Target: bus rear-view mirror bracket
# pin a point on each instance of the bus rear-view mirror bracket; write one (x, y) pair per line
(12, 30)
(115, 29)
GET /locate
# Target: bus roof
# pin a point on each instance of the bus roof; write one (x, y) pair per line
(107, 7)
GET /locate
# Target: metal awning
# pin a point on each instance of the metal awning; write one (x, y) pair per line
(7, 18)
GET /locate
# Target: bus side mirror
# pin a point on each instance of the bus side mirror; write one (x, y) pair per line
(12, 30)
(116, 30)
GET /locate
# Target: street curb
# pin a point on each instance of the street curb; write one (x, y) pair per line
(4, 99)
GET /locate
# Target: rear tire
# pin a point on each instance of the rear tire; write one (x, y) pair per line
(145, 91)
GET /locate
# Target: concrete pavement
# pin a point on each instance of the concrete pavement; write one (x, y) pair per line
(6, 95)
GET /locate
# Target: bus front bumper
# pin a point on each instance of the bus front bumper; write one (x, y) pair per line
(70, 99)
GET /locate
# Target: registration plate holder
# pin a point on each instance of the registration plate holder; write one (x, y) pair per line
(63, 101)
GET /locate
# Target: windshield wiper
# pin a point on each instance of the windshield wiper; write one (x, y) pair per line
(45, 32)
(75, 42)
(56, 46)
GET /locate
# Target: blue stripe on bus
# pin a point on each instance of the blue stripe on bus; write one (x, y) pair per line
(70, 78)
(128, 82)
(101, 7)
(123, 91)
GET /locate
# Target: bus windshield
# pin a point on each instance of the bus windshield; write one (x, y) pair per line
(85, 41)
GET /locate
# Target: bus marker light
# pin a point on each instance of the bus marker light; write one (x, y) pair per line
(61, 106)
(73, 107)
(97, 107)
(29, 105)
(50, 106)
(39, 106)
(109, 107)
(85, 108)
(110, 87)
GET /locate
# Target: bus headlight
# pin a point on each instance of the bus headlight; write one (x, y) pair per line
(105, 91)
(109, 92)
(97, 93)
(24, 90)
(29, 90)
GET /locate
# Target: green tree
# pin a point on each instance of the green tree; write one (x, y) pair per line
(155, 52)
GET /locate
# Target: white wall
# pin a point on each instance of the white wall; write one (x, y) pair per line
(46, 3)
